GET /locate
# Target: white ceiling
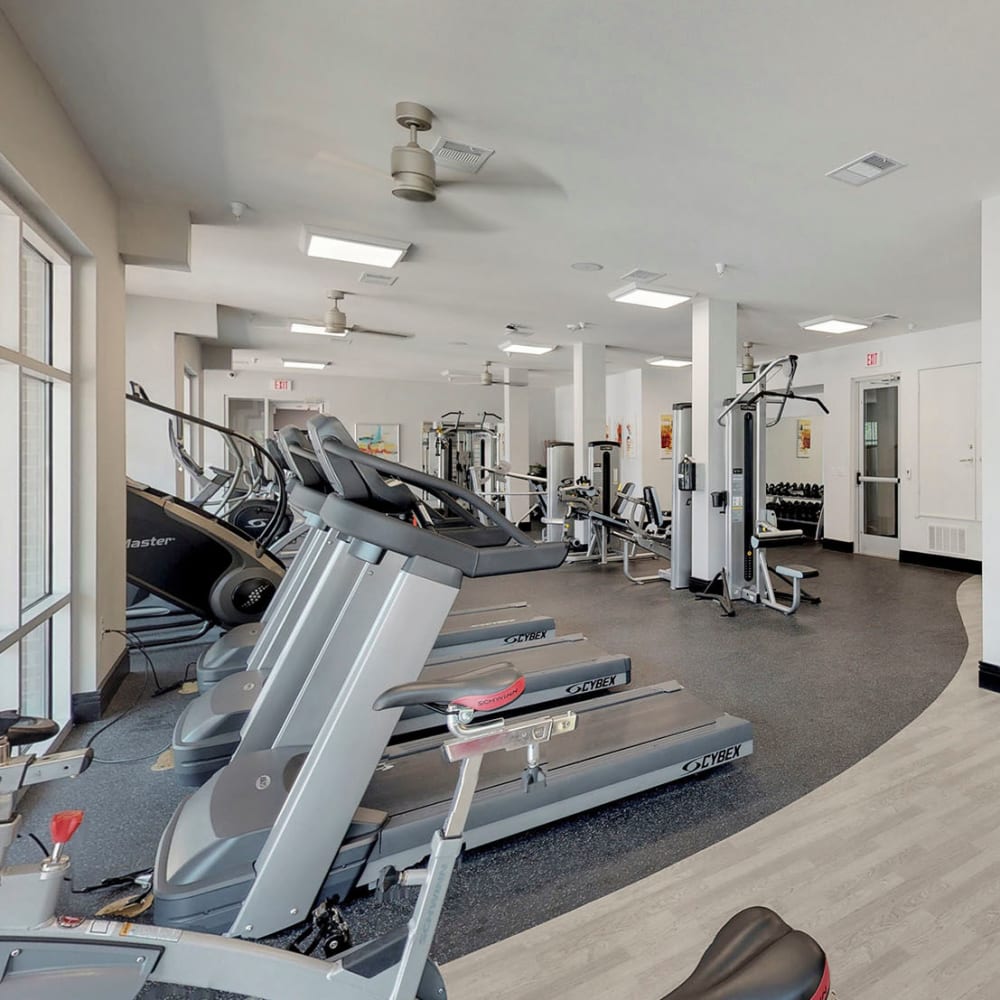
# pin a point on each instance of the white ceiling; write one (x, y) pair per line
(675, 134)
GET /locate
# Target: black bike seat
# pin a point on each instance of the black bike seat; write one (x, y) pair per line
(23, 730)
(757, 956)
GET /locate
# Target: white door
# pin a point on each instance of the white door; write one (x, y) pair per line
(878, 467)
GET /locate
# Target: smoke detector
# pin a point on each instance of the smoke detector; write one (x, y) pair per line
(869, 167)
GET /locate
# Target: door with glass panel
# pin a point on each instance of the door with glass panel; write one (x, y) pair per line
(878, 468)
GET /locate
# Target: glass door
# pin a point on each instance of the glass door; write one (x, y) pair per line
(878, 468)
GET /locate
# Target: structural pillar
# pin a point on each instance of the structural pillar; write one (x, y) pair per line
(589, 408)
(517, 441)
(990, 441)
(714, 359)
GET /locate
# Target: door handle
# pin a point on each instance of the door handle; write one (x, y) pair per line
(966, 459)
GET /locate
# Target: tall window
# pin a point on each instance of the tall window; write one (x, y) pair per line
(35, 386)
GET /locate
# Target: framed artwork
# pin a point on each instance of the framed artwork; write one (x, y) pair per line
(803, 439)
(628, 445)
(666, 435)
(378, 439)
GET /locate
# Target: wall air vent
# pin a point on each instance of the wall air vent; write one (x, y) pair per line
(946, 539)
(865, 168)
(369, 278)
(642, 277)
(459, 156)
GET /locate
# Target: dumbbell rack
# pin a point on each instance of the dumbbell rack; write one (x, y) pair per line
(811, 526)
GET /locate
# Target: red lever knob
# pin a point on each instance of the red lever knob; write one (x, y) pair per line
(63, 825)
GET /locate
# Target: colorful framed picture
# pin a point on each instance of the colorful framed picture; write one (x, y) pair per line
(803, 440)
(378, 439)
(666, 435)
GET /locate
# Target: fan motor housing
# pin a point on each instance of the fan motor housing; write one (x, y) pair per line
(413, 173)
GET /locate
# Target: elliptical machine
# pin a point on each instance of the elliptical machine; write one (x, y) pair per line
(48, 957)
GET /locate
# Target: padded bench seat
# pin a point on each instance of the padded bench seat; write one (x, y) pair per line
(794, 571)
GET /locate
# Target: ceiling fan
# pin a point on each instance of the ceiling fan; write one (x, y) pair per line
(335, 322)
(485, 377)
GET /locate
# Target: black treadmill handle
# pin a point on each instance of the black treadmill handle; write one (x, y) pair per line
(431, 484)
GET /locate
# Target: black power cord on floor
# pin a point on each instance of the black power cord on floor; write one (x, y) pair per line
(135, 645)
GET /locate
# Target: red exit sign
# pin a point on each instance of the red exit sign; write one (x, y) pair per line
(281, 385)
(873, 359)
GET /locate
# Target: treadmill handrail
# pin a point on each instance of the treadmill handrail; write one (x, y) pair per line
(440, 488)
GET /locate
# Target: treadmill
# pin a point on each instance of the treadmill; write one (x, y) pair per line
(474, 627)
(316, 812)
(237, 713)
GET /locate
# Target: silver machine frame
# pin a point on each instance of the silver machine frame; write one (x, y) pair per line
(48, 957)
(750, 530)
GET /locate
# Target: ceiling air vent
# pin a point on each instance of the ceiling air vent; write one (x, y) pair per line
(865, 168)
(643, 277)
(459, 156)
(368, 278)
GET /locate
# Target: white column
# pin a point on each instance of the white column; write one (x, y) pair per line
(990, 447)
(516, 440)
(589, 414)
(714, 357)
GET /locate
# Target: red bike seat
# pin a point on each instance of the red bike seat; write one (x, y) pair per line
(757, 956)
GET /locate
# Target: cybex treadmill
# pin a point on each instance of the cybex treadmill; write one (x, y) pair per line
(251, 851)
(250, 708)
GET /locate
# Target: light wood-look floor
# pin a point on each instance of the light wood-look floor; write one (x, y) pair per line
(894, 866)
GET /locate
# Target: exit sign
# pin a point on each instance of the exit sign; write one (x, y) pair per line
(281, 385)
(873, 359)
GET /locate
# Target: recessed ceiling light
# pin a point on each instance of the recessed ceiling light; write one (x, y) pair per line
(510, 347)
(317, 365)
(668, 362)
(835, 324)
(865, 168)
(587, 265)
(638, 295)
(354, 249)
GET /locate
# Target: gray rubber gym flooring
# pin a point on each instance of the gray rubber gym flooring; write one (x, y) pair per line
(823, 689)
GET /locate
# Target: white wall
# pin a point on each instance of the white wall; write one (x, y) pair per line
(783, 464)
(623, 403)
(383, 400)
(838, 370)
(661, 388)
(155, 358)
(45, 165)
(990, 347)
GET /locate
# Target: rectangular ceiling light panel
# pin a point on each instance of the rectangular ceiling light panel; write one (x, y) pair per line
(510, 347)
(668, 362)
(865, 168)
(317, 365)
(353, 249)
(638, 295)
(834, 324)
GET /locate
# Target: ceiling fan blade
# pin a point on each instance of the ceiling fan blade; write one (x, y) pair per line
(522, 176)
(328, 158)
(518, 385)
(383, 333)
(441, 215)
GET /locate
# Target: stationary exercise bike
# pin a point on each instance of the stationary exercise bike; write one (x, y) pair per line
(756, 956)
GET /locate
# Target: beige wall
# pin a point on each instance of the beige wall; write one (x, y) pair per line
(46, 167)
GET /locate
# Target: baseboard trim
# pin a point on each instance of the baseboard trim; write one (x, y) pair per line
(989, 676)
(836, 545)
(974, 566)
(90, 706)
